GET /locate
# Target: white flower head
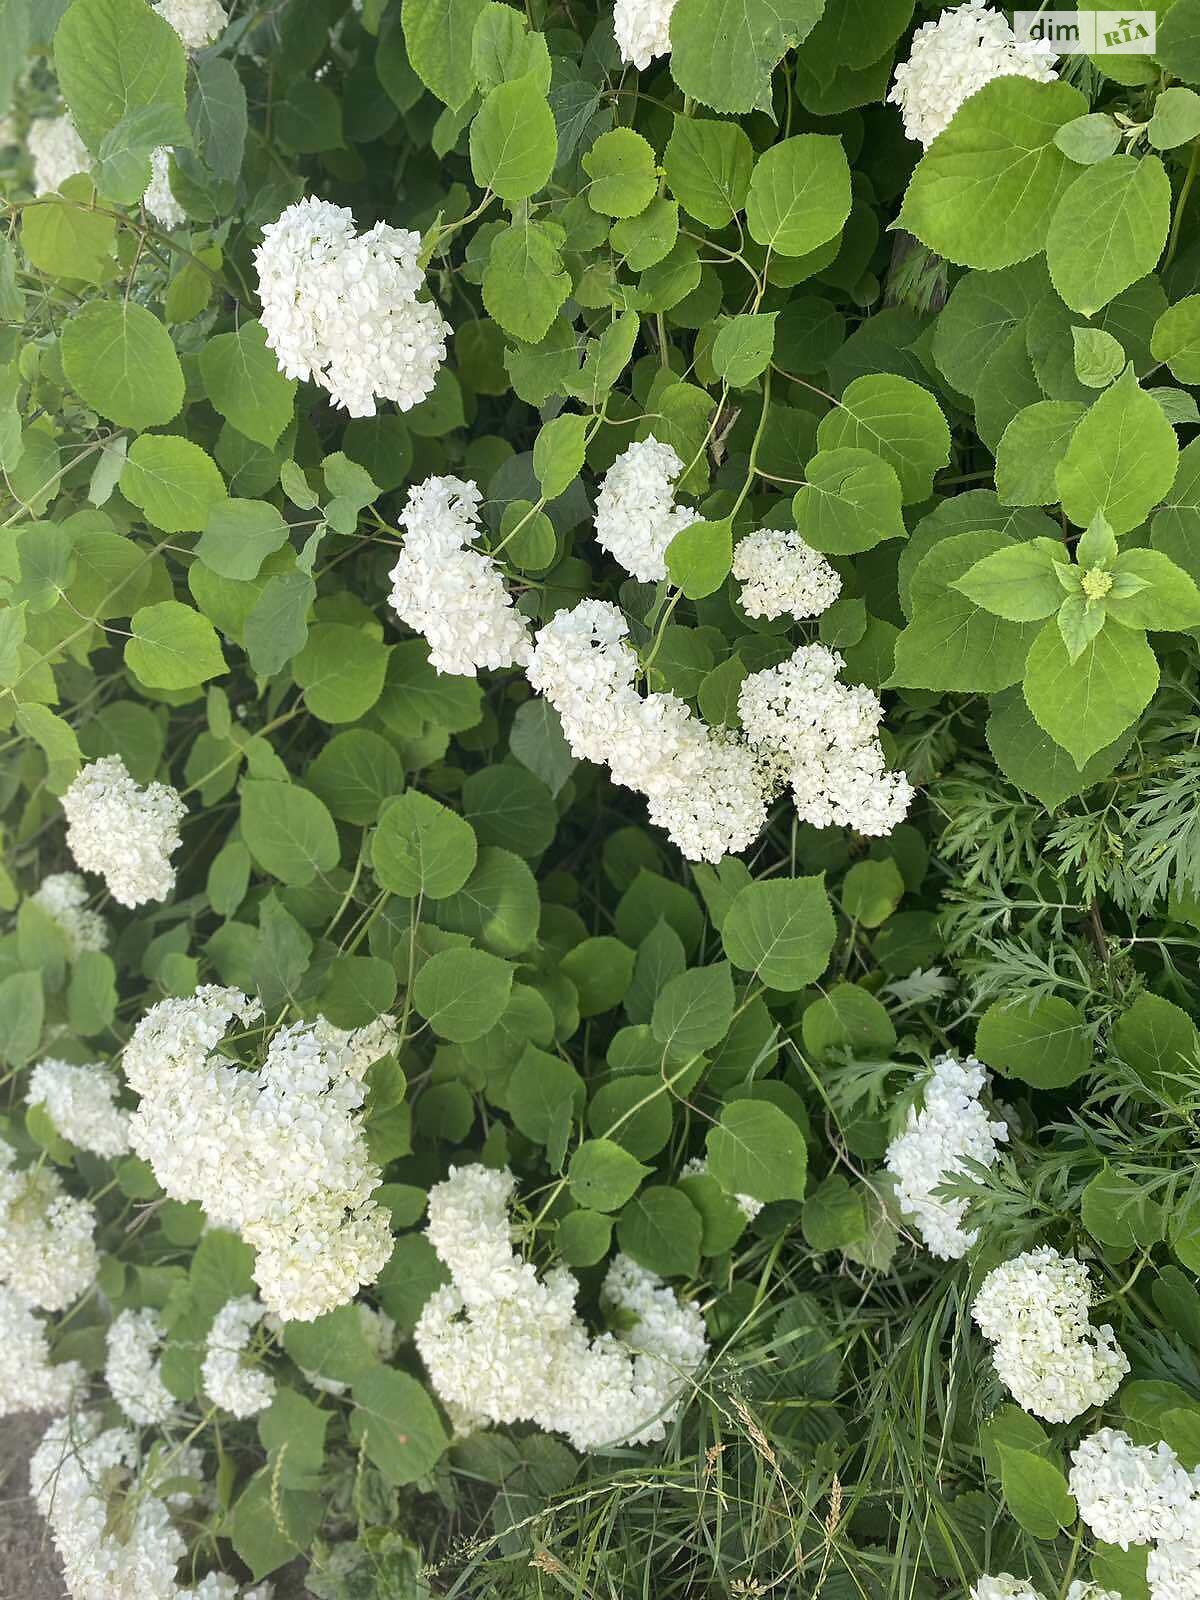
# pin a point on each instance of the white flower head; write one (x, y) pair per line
(277, 1154)
(783, 575)
(951, 1127)
(1054, 1363)
(123, 831)
(57, 152)
(953, 57)
(341, 308)
(197, 22)
(229, 1380)
(643, 30)
(28, 1381)
(636, 514)
(133, 1371)
(159, 198)
(1003, 1586)
(81, 1103)
(503, 1345)
(1132, 1493)
(47, 1254)
(64, 896)
(449, 592)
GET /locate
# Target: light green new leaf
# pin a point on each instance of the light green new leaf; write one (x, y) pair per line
(782, 931)
(985, 190)
(175, 482)
(1036, 1491)
(1176, 338)
(513, 140)
(66, 238)
(699, 557)
(1169, 600)
(1030, 450)
(524, 282)
(438, 34)
(1085, 704)
(1018, 582)
(245, 385)
(851, 502)
(558, 453)
(173, 647)
(896, 419)
(1108, 230)
(1176, 118)
(622, 171)
(1099, 358)
(114, 57)
(799, 194)
(1046, 1043)
(1121, 460)
(708, 166)
(723, 52)
(120, 360)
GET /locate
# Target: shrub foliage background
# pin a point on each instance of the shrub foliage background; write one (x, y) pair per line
(964, 376)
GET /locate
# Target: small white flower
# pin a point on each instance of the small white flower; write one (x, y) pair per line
(636, 514)
(159, 199)
(341, 308)
(1132, 1493)
(132, 1372)
(643, 30)
(47, 1254)
(229, 1380)
(782, 575)
(452, 594)
(197, 22)
(1054, 1363)
(953, 57)
(1003, 1587)
(57, 152)
(28, 1382)
(81, 1103)
(122, 831)
(64, 896)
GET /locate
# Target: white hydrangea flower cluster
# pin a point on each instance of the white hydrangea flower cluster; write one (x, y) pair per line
(1034, 1311)
(1142, 1494)
(952, 1127)
(229, 1380)
(132, 1371)
(382, 1339)
(106, 1556)
(643, 30)
(276, 1153)
(81, 1103)
(28, 1382)
(197, 22)
(159, 198)
(1003, 1586)
(636, 514)
(453, 594)
(47, 1254)
(1085, 1589)
(64, 896)
(826, 734)
(57, 152)
(783, 575)
(953, 57)
(123, 831)
(706, 788)
(341, 308)
(697, 1167)
(502, 1345)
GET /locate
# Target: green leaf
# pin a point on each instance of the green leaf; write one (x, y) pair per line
(1176, 118)
(1168, 600)
(513, 140)
(693, 1011)
(584, 1238)
(1045, 1042)
(851, 502)
(438, 36)
(847, 1019)
(114, 57)
(1119, 1212)
(238, 537)
(1027, 754)
(23, 1008)
(397, 1424)
(782, 931)
(175, 482)
(1099, 358)
(898, 421)
(217, 115)
(269, 1524)
(276, 625)
(292, 1431)
(601, 970)
(462, 993)
(646, 239)
(723, 52)
(524, 282)
(622, 171)
(1089, 138)
(661, 1230)
(245, 385)
(1018, 582)
(699, 558)
(1176, 337)
(742, 350)
(173, 647)
(1121, 460)
(67, 239)
(1159, 1041)
(799, 194)
(1108, 230)
(708, 166)
(1036, 1491)
(545, 1094)
(756, 1149)
(833, 1215)
(341, 670)
(871, 891)
(985, 191)
(120, 360)
(602, 1175)
(288, 831)
(422, 848)
(1084, 705)
(1033, 444)
(503, 48)
(558, 453)
(952, 643)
